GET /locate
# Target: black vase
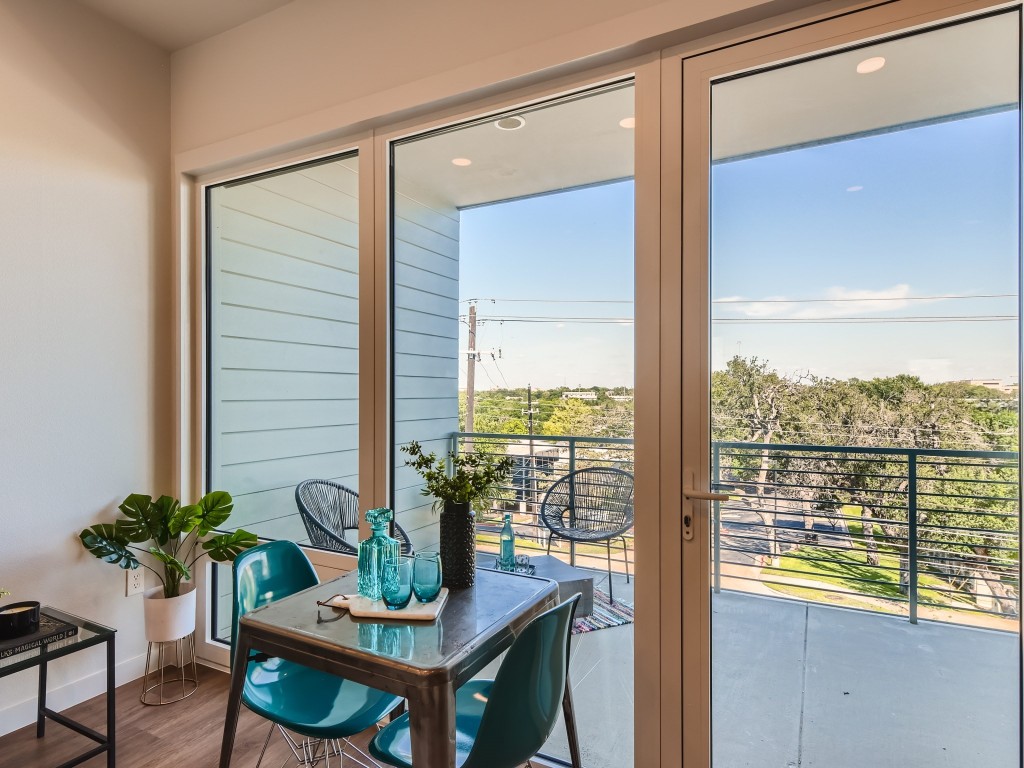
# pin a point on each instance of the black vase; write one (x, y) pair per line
(458, 545)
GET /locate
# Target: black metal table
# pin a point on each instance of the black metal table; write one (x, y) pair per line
(424, 662)
(89, 634)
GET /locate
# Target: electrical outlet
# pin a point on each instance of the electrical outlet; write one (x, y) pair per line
(134, 582)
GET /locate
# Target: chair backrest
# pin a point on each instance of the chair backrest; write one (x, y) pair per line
(327, 510)
(525, 701)
(593, 499)
(266, 573)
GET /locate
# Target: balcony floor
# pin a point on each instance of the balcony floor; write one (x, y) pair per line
(797, 684)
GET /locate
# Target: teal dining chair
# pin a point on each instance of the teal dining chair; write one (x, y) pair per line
(325, 710)
(502, 723)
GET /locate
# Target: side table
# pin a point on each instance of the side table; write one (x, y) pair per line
(89, 634)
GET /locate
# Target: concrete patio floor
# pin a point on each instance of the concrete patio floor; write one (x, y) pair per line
(799, 685)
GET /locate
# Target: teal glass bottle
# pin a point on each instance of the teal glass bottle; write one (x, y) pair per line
(374, 551)
(507, 553)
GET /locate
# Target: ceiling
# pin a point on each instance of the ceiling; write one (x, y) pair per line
(951, 71)
(174, 24)
(566, 144)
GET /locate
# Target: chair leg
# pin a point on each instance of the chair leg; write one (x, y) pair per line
(608, 548)
(569, 713)
(549, 543)
(265, 745)
(625, 557)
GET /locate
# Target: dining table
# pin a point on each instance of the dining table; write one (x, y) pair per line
(423, 662)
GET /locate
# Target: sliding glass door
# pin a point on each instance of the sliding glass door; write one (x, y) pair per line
(854, 537)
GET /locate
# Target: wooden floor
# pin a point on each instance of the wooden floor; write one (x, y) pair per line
(186, 734)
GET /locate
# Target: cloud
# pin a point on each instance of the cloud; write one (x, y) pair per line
(837, 302)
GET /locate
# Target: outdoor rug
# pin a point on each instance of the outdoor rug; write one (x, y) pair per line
(605, 615)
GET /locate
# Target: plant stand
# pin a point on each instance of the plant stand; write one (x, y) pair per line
(174, 684)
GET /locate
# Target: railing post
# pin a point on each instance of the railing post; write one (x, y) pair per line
(572, 505)
(912, 532)
(716, 512)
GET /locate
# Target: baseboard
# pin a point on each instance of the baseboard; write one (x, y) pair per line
(22, 713)
(214, 665)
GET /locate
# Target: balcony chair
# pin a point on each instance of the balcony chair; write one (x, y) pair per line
(502, 723)
(591, 505)
(325, 710)
(328, 509)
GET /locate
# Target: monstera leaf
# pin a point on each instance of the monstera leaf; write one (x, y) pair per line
(145, 520)
(212, 511)
(105, 542)
(171, 533)
(227, 546)
(171, 563)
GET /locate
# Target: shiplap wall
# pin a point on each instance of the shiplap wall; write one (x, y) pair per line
(284, 345)
(426, 353)
(284, 339)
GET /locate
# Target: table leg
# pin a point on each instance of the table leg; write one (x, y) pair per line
(111, 686)
(41, 699)
(432, 727)
(570, 726)
(238, 668)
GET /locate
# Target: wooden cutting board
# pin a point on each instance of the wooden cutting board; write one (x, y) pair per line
(364, 608)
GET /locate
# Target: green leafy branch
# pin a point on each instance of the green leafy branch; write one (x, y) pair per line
(178, 536)
(470, 480)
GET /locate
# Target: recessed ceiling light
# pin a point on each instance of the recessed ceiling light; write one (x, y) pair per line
(510, 123)
(462, 161)
(868, 66)
(855, 188)
(628, 122)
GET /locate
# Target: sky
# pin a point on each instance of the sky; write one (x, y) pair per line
(561, 257)
(844, 259)
(882, 227)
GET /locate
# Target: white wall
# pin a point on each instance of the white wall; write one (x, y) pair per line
(85, 334)
(285, 340)
(426, 365)
(314, 67)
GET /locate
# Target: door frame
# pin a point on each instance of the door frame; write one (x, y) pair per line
(687, 74)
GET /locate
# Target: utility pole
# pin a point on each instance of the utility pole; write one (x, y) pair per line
(471, 369)
(531, 461)
(529, 410)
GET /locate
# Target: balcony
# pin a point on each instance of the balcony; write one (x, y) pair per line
(865, 605)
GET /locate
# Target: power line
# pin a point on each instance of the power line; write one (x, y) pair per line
(761, 301)
(868, 320)
(872, 299)
(553, 301)
(555, 319)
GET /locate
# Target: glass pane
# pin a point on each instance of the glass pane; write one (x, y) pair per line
(513, 335)
(283, 330)
(865, 405)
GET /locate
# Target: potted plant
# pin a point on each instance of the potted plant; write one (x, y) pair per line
(172, 538)
(457, 494)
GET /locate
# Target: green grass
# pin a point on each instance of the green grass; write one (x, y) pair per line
(844, 569)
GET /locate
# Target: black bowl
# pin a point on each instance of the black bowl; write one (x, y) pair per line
(17, 619)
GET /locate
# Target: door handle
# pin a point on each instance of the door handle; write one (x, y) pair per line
(693, 494)
(690, 493)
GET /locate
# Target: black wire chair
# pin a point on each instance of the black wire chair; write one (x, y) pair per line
(591, 505)
(328, 509)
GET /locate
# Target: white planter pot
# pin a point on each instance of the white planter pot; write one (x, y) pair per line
(169, 618)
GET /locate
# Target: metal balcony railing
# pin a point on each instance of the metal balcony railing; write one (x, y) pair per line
(892, 529)
(538, 462)
(919, 532)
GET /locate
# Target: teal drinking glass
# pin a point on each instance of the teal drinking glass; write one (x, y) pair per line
(396, 582)
(426, 576)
